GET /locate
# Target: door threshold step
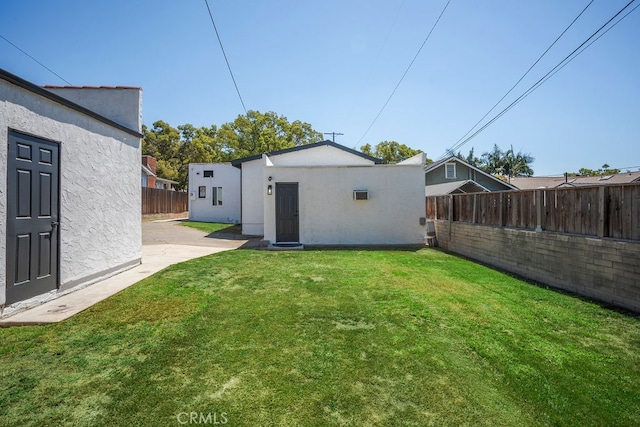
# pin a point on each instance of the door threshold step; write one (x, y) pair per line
(285, 247)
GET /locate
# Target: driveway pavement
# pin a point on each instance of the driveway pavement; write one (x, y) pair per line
(163, 243)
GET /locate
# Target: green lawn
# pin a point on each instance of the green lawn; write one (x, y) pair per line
(312, 338)
(212, 227)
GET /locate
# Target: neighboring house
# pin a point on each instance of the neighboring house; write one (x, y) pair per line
(536, 182)
(455, 176)
(69, 188)
(328, 194)
(149, 177)
(214, 192)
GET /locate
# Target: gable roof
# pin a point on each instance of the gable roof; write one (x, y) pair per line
(428, 168)
(454, 187)
(17, 81)
(238, 162)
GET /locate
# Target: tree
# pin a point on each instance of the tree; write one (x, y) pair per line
(257, 133)
(253, 133)
(517, 164)
(470, 158)
(506, 163)
(604, 170)
(390, 152)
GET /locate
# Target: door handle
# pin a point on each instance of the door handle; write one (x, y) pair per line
(54, 224)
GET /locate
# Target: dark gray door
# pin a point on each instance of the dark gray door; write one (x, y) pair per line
(287, 213)
(32, 217)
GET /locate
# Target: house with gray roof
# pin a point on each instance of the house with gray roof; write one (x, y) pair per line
(455, 176)
(541, 182)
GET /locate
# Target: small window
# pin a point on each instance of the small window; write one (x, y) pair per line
(360, 195)
(217, 196)
(208, 174)
(202, 192)
(450, 170)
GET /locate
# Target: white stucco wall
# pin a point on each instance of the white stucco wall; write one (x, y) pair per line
(324, 155)
(100, 221)
(121, 104)
(328, 214)
(253, 188)
(225, 176)
(254, 182)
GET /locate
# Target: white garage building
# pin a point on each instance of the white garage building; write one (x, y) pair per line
(328, 194)
(69, 188)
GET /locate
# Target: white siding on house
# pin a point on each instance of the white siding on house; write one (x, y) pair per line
(226, 177)
(100, 221)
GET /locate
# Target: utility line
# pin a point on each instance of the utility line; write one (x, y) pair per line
(225, 56)
(405, 72)
(40, 63)
(577, 51)
(455, 146)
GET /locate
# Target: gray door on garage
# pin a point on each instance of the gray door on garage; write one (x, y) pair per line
(32, 216)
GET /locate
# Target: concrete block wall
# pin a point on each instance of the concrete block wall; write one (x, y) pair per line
(604, 269)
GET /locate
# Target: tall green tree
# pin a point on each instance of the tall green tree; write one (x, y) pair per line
(256, 133)
(390, 152)
(253, 133)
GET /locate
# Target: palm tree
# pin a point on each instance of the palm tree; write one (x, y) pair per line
(517, 164)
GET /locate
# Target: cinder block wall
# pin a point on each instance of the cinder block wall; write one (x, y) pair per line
(604, 269)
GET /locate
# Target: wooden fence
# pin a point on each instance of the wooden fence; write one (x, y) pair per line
(158, 201)
(603, 211)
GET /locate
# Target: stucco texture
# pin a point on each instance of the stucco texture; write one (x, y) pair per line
(225, 176)
(100, 222)
(328, 215)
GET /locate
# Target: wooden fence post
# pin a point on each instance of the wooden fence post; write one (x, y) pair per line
(501, 210)
(474, 218)
(450, 215)
(601, 211)
(539, 210)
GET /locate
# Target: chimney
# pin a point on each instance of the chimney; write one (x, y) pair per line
(149, 162)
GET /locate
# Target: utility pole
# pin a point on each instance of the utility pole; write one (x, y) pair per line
(333, 134)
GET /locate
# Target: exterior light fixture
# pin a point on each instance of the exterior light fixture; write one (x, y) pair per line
(269, 189)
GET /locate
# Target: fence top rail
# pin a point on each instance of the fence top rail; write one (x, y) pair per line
(590, 187)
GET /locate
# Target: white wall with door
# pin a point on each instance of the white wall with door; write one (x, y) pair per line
(214, 193)
(329, 214)
(99, 228)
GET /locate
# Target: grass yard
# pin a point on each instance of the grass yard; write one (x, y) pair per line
(312, 338)
(213, 227)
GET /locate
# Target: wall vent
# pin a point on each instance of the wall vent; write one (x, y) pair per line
(360, 194)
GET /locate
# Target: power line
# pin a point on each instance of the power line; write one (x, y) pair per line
(405, 72)
(225, 56)
(455, 146)
(40, 63)
(577, 51)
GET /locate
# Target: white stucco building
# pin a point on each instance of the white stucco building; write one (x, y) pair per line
(69, 188)
(214, 192)
(328, 194)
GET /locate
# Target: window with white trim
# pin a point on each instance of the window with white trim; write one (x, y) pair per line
(217, 196)
(450, 171)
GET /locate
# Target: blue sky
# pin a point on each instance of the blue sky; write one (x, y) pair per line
(334, 63)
